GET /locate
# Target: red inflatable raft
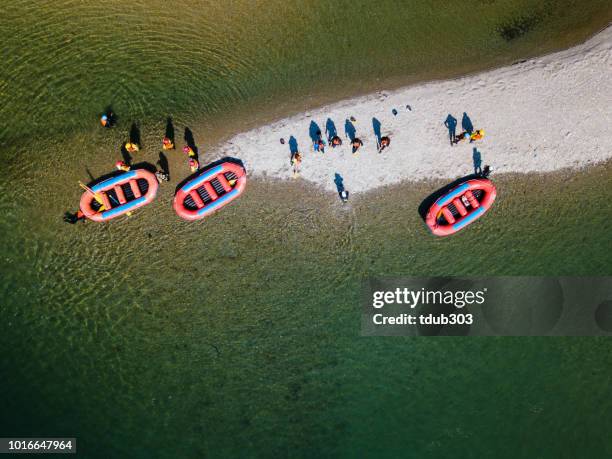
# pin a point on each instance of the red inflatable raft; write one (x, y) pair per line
(460, 206)
(210, 191)
(119, 195)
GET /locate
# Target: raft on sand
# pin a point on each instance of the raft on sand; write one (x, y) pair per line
(119, 194)
(210, 191)
(461, 206)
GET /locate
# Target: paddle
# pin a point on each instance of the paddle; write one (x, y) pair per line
(95, 195)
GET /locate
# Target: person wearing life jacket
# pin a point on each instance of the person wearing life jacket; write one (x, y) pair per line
(167, 144)
(384, 143)
(107, 119)
(477, 135)
(193, 164)
(189, 151)
(122, 166)
(296, 160)
(131, 147)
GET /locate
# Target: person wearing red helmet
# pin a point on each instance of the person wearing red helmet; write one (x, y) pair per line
(122, 166)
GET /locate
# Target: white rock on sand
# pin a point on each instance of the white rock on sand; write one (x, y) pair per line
(543, 114)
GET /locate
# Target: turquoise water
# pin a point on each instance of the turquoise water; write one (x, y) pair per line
(238, 336)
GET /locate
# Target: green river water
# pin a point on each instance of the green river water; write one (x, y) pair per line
(239, 335)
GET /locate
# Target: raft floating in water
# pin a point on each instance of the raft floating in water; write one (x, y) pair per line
(461, 206)
(210, 191)
(119, 194)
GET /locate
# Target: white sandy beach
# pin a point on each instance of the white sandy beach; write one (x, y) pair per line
(541, 115)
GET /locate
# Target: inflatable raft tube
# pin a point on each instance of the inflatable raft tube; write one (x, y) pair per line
(210, 191)
(460, 207)
(119, 194)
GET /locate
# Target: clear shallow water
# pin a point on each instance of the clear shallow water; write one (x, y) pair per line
(238, 335)
(66, 60)
(148, 331)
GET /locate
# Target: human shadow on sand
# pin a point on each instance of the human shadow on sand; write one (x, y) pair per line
(135, 134)
(466, 123)
(125, 155)
(376, 125)
(190, 141)
(339, 182)
(429, 200)
(227, 159)
(293, 146)
(314, 131)
(170, 129)
(451, 124)
(330, 130)
(163, 164)
(349, 129)
(477, 161)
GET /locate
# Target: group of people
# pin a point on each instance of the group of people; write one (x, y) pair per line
(334, 141)
(472, 136)
(108, 120)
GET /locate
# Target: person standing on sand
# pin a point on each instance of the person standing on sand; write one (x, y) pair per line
(296, 160)
(356, 143)
(189, 151)
(193, 164)
(335, 141)
(167, 144)
(319, 146)
(384, 143)
(122, 166)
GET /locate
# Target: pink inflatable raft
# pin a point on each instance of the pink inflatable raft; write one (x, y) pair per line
(119, 194)
(210, 191)
(461, 206)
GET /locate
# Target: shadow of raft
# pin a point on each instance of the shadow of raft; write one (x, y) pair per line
(429, 200)
(227, 159)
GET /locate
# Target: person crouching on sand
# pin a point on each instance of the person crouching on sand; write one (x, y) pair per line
(356, 143)
(296, 160)
(476, 135)
(384, 143)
